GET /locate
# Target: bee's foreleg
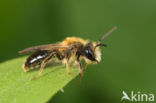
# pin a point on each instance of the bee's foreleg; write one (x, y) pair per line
(44, 62)
(80, 68)
(85, 66)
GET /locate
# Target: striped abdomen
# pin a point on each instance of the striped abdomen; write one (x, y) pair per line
(36, 58)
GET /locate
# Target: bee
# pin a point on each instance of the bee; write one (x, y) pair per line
(71, 50)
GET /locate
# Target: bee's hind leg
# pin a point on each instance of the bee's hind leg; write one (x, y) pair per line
(44, 62)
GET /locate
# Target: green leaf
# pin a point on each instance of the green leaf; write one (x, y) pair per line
(18, 87)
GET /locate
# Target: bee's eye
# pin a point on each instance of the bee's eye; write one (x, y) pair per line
(89, 54)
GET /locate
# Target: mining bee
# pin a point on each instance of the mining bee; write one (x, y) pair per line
(71, 50)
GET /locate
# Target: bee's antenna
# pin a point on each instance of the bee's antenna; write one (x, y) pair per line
(107, 34)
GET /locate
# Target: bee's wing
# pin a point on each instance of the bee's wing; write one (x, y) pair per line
(48, 47)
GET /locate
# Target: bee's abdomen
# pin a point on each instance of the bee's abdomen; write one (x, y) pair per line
(36, 58)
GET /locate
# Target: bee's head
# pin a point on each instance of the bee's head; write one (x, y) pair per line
(92, 51)
(89, 52)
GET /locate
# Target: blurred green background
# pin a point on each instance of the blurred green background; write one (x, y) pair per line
(129, 61)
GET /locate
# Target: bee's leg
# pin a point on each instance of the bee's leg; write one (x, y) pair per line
(60, 57)
(81, 72)
(85, 66)
(67, 61)
(67, 67)
(44, 63)
(81, 68)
